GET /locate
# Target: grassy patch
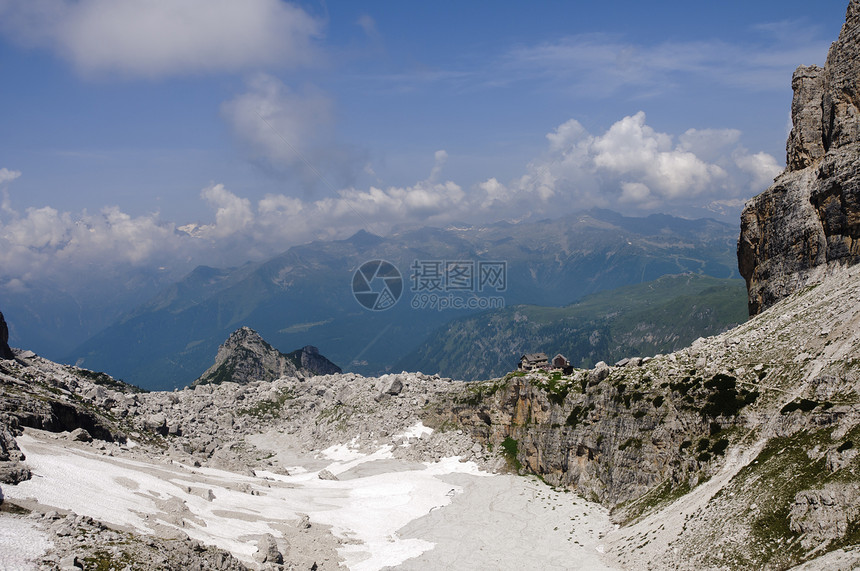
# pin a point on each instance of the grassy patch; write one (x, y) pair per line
(511, 450)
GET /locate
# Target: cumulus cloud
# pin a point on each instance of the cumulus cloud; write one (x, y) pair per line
(165, 37)
(761, 167)
(631, 167)
(232, 213)
(45, 243)
(635, 168)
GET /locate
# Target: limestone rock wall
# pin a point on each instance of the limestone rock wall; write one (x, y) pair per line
(612, 434)
(809, 219)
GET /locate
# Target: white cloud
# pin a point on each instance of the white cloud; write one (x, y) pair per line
(7, 175)
(288, 130)
(165, 37)
(708, 144)
(762, 167)
(634, 192)
(232, 213)
(633, 166)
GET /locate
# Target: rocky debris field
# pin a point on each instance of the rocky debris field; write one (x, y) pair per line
(258, 431)
(79, 542)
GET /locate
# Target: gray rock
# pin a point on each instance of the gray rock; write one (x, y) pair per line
(823, 515)
(267, 551)
(326, 475)
(304, 522)
(599, 372)
(71, 562)
(157, 423)
(245, 357)
(395, 387)
(80, 435)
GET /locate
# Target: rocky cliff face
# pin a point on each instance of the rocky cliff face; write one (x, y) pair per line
(809, 220)
(5, 351)
(708, 455)
(246, 357)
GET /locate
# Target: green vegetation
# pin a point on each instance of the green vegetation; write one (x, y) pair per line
(782, 469)
(644, 319)
(630, 443)
(511, 450)
(105, 380)
(805, 405)
(557, 390)
(104, 561)
(476, 393)
(577, 414)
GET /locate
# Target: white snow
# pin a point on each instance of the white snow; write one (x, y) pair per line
(341, 453)
(21, 544)
(416, 431)
(369, 510)
(126, 492)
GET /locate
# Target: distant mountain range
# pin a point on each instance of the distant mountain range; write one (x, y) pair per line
(304, 296)
(639, 320)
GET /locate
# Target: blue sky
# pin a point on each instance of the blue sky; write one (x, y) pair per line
(149, 132)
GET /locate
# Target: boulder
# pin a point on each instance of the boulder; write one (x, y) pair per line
(267, 551)
(395, 387)
(80, 435)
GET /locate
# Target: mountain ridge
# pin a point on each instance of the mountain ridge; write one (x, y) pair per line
(169, 341)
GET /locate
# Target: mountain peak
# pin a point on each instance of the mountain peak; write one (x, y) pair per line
(363, 238)
(246, 357)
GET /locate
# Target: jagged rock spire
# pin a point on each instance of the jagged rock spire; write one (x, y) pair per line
(808, 221)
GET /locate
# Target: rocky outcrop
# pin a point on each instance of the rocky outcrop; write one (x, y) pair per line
(309, 359)
(246, 357)
(825, 515)
(612, 436)
(809, 220)
(81, 542)
(5, 351)
(12, 469)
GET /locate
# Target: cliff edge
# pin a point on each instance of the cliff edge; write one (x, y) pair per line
(808, 221)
